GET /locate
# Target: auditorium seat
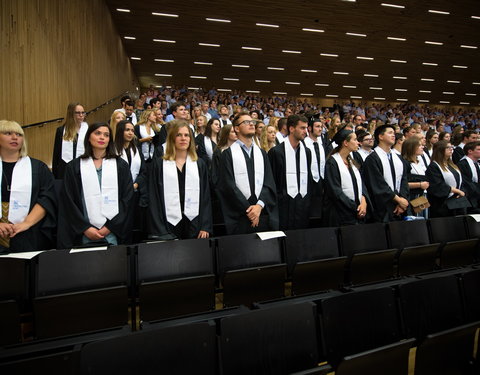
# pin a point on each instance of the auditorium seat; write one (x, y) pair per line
(277, 340)
(313, 259)
(357, 321)
(362, 238)
(249, 269)
(470, 282)
(176, 350)
(447, 352)
(80, 292)
(389, 359)
(175, 278)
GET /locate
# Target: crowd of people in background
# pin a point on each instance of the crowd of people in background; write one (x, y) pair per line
(174, 163)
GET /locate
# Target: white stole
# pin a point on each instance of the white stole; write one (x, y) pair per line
(387, 172)
(171, 191)
(280, 137)
(240, 170)
(136, 163)
(101, 202)
(20, 190)
(147, 150)
(291, 170)
(208, 146)
(471, 164)
(67, 146)
(418, 169)
(449, 178)
(346, 179)
(316, 173)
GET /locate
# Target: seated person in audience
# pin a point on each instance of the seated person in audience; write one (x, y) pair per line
(470, 170)
(291, 162)
(245, 186)
(207, 142)
(179, 191)
(467, 137)
(28, 196)
(445, 181)
(345, 193)
(126, 147)
(385, 177)
(69, 139)
(97, 194)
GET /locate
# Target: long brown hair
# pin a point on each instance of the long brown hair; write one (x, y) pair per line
(69, 124)
(439, 155)
(170, 151)
(409, 149)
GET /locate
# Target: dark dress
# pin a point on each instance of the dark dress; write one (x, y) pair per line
(471, 188)
(158, 226)
(233, 202)
(202, 151)
(40, 236)
(58, 164)
(294, 213)
(73, 220)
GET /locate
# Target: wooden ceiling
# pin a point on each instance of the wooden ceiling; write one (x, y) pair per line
(412, 69)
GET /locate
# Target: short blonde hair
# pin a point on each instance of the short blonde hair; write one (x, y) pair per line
(14, 127)
(173, 127)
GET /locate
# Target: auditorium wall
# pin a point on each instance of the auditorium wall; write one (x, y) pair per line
(54, 52)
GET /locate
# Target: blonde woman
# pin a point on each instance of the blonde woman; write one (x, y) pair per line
(146, 132)
(116, 117)
(267, 138)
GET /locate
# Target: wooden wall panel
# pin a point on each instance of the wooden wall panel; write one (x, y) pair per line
(55, 52)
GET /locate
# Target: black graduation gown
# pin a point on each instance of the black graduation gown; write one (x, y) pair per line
(202, 151)
(379, 191)
(472, 189)
(316, 206)
(338, 208)
(217, 211)
(438, 191)
(413, 177)
(158, 226)
(294, 213)
(234, 204)
(458, 154)
(154, 143)
(358, 158)
(73, 220)
(40, 236)
(58, 165)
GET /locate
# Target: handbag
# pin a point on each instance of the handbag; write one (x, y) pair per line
(457, 202)
(419, 204)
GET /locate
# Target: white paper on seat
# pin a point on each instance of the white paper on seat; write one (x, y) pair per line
(26, 255)
(476, 217)
(81, 250)
(269, 235)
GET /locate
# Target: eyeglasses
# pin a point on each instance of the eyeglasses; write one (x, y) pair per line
(80, 113)
(247, 122)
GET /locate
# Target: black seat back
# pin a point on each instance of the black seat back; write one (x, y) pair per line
(403, 234)
(362, 238)
(446, 229)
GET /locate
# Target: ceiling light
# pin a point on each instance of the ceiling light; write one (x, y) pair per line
(274, 68)
(162, 75)
(164, 41)
(399, 77)
(474, 17)
(429, 64)
(202, 63)
(379, 98)
(231, 79)
(437, 11)
(240, 66)
(398, 61)
(308, 71)
(364, 58)
(198, 77)
(392, 5)
(357, 34)
(193, 88)
(453, 81)
(465, 103)
(460, 66)
(329, 55)
(128, 10)
(262, 81)
(306, 94)
(313, 30)
(209, 45)
(290, 51)
(401, 90)
(322, 84)
(468, 46)
(136, 58)
(434, 43)
(218, 20)
(164, 60)
(475, 83)
(448, 93)
(292, 83)
(424, 101)
(165, 14)
(349, 87)
(332, 96)
(470, 94)
(355, 97)
(129, 37)
(396, 38)
(253, 91)
(267, 25)
(427, 79)
(226, 90)
(402, 100)
(375, 88)
(252, 48)
(425, 91)
(370, 75)
(341, 73)
(280, 92)
(444, 102)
